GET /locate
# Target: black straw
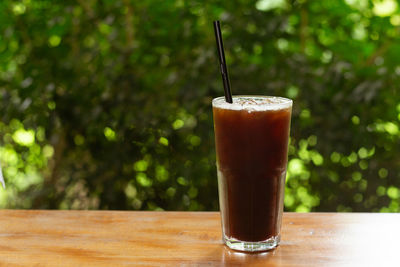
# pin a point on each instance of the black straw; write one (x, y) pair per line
(224, 70)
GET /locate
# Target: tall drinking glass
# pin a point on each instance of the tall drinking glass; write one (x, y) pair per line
(251, 138)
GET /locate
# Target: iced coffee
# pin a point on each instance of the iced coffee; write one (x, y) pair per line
(251, 138)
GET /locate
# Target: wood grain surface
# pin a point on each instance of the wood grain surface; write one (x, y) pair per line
(123, 238)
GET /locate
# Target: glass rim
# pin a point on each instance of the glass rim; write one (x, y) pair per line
(281, 103)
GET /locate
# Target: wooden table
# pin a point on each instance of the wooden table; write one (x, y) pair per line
(124, 238)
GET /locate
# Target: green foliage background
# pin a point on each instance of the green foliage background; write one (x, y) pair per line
(106, 104)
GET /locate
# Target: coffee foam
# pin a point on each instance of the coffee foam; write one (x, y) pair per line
(253, 103)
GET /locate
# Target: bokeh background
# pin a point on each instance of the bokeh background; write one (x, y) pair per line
(107, 104)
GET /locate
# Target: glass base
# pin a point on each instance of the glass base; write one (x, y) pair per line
(249, 246)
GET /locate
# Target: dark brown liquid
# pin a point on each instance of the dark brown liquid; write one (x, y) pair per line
(251, 160)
